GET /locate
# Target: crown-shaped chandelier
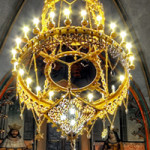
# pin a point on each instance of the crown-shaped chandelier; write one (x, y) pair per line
(72, 75)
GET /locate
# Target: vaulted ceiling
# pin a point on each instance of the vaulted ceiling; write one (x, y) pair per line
(132, 16)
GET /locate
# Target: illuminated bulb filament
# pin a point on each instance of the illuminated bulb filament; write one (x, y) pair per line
(26, 30)
(15, 66)
(63, 117)
(113, 26)
(52, 15)
(67, 13)
(90, 97)
(21, 72)
(99, 18)
(72, 122)
(51, 93)
(14, 52)
(131, 59)
(102, 95)
(28, 81)
(38, 88)
(36, 21)
(122, 78)
(129, 46)
(72, 111)
(18, 41)
(113, 88)
(123, 35)
(83, 14)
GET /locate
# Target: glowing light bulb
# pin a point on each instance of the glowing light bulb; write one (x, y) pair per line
(72, 122)
(18, 41)
(113, 26)
(112, 127)
(14, 52)
(83, 14)
(38, 88)
(90, 97)
(26, 30)
(72, 111)
(63, 117)
(52, 15)
(131, 58)
(36, 21)
(67, 13)
(15, 65)
(29, 80)
(21, 72)
(51, 93)
(99, 18)
(129, 46)
(126, 110)
(102, 95)
(113, 88)
(122, 78)
(123, 35)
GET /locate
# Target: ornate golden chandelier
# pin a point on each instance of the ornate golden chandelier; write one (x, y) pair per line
(76, 69)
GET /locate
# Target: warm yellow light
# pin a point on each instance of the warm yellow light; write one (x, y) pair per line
(72, 122)
(67, 13)
(113, 88)
(51, 93)
(131, 58)
(113, 26)
(123, 35)
(83, 13)
(129, 46)
(15, 65)
(99, 18)
(18, 41)
(14, 52)
(26, 30)
(72, 111)
(36, 21)
(52, 15)
(122, 78)
(29, 80)
(38, 88)
(90, 97)
(21, 72)
(126, 110)
(63, 117)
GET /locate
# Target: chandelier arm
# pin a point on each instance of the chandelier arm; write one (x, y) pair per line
(32, 59)
(36, 70)
(89, 14)
(69, 78)
(106, 66)
(114, 117)
(113, 67)
(60, 12)
(108, 117)
(92, 126)
(100, 90)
